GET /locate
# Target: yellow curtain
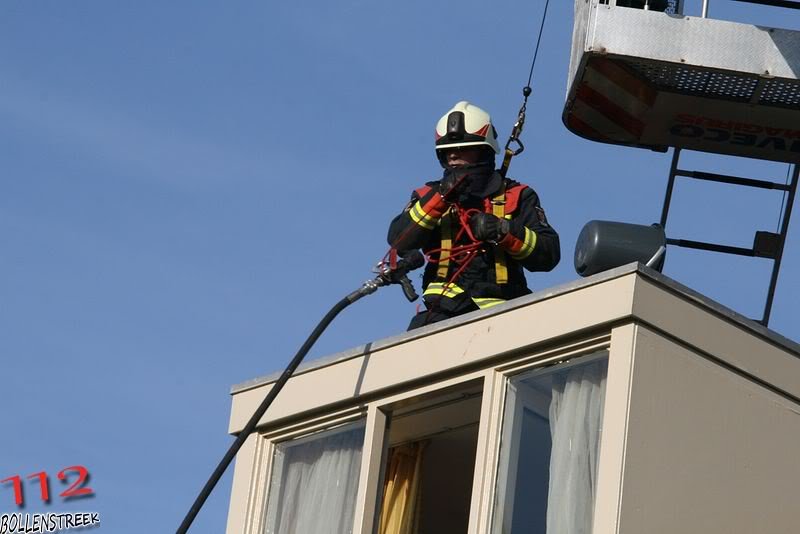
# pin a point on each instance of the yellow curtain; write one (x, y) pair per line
(401, 489)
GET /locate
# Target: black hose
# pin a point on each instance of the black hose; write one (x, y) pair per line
(251, 424)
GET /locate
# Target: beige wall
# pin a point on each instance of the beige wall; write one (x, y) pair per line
(718, 332)
(707, 450)
(446, 352)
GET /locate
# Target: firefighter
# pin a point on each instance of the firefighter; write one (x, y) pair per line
(508, 227)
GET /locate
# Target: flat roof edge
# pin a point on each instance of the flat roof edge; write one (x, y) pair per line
(538, 296)
(527, 300)
(721, 310)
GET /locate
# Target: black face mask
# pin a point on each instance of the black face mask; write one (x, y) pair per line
(476, 182)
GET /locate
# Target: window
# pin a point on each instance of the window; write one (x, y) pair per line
(549, 449)
(314, 483)
(430, 463)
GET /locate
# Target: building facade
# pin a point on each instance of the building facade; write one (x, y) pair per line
(621, 403)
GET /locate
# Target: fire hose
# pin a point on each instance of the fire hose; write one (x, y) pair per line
(386, 275)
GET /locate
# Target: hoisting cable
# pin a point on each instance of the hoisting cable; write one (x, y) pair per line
(526, 92)
(385, 276)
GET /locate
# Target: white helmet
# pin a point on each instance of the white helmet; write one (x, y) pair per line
(465, 125)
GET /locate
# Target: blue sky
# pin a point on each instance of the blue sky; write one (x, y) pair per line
(187, 187)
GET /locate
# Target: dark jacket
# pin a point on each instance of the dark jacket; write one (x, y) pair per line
(419, 226)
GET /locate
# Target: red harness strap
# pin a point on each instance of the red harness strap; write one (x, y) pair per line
(502, 205)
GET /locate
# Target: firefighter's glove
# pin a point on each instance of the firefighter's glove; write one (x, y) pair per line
(487, 227)
(453, 183)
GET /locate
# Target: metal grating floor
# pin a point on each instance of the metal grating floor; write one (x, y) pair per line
(781, 93)
(714, 84)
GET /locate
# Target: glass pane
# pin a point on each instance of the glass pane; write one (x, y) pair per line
(314, 483)
(549, 448)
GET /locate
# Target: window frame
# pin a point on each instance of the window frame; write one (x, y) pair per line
(264, 459)
(380, 411)
(502, 376)
(525, 400)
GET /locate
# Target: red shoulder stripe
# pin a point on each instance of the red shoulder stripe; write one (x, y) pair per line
(422, 191)
(512, 197)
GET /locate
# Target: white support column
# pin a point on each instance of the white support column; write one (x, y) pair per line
(241, 510)
(369, 479)
(615, 428)
(486, 457)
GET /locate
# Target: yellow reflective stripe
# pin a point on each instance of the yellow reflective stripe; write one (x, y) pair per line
(419, 216)
(500, 268)
(484, 303)
(446, 246)
(527, 246)
(438, 288)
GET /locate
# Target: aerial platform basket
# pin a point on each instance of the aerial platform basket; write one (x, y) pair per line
(656, 80)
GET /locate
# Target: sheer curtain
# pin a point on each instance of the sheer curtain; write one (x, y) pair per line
(314, 484)
(575, 423)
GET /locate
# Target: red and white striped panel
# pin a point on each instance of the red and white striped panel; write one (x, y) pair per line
(610, 103)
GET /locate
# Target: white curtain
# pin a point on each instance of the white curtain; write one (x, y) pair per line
(314, 485)
(575, 423)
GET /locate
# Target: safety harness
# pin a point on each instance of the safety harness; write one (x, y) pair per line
(502, 205)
